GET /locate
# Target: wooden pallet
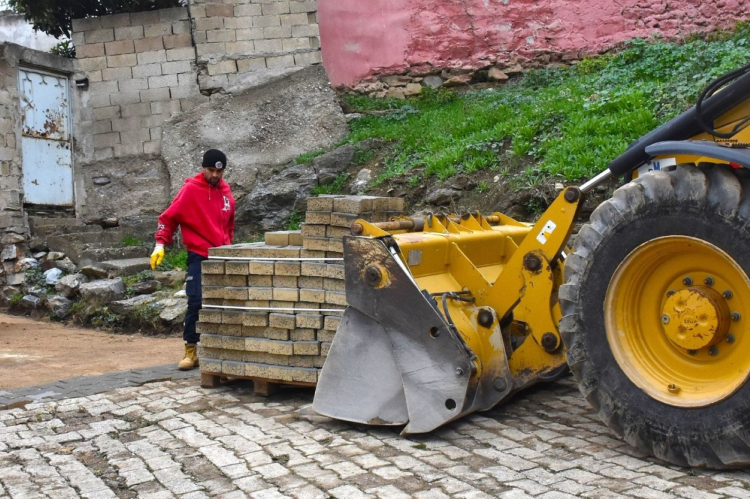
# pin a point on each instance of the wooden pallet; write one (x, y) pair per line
(261, 386)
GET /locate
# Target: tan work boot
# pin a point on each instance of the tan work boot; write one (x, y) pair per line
(191, 358)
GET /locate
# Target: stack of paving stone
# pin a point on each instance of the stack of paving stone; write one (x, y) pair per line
(270, 310)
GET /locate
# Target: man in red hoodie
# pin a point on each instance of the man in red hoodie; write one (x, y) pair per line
(204, 209)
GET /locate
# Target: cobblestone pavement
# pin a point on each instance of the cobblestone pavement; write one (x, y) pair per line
(175, 439)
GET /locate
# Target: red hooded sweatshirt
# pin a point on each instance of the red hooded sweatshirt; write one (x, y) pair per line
(205, 213)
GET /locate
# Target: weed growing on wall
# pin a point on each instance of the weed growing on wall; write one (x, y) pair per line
(571, 121)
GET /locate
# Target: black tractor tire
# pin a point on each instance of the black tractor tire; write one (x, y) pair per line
(710, 202)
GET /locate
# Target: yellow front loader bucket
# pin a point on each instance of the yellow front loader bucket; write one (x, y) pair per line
(447, 316)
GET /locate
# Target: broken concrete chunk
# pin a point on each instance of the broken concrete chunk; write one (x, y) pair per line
(103, 291)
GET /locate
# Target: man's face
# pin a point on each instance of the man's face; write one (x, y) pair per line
(213, 175)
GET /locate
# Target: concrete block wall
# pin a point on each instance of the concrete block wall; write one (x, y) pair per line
(141, 71)
(239, 40)
(10, 146)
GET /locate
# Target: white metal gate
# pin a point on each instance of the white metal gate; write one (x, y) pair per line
(46, 138)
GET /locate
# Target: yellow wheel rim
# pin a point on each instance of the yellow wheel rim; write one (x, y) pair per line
(675, 315)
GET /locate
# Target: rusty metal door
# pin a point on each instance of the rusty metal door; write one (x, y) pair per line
(46, 138)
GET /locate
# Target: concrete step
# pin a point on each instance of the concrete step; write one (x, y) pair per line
(112, 237)
(55, 230)
(126, 266)
(104, 254)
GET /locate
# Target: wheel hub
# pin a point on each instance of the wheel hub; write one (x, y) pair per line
(695, 318)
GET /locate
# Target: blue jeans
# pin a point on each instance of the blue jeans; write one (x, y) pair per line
(194, 296)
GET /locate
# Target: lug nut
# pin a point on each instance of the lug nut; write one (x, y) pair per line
(688, 281)
(708, 281)
(692, 352)
(736, 316)
(727, 295)
(671, 292)
(459, 371)
(713, 351)
(730, 338)
(673, 388)
(665, 319)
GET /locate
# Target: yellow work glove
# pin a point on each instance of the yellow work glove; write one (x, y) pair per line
(157, 256)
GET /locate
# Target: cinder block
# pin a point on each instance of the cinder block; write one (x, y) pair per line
(277, 32)
(212, 267)
(162, 81)
(210, 365)
(258, 293)
(197, 11)
(268, 46)
(121, 61)
(116, 20)
(295, 238)
(353, 204)
(313, 230)
(277, 238)
(116, 74)
(164, 107)
(157, 30)
(315, 243)
(282, 321)
(295, 44)
(275, 8)
(312, 295)
(286, 294)
(121, 98)
(325, 334)
(308, 58)
(210, 316)
(335, 271)
(99, 35)
(313, 269)
(128, 32)
(335, 298)
(291, 268)
(155, 94)
(219, 10)
(128, 149)
(211, 341)
(304, 374)
(207, 328)
(325, 348)
(230, 329)
(142, 109)
(220, 35)
(240, 48)
(133, 85)
(318, 217)
(233, 343)
(176, 67)
(177, 41)
(294, 19)
(249, 34)
(255, 319)
(282, 281)
(252, 9)
(232, 368)
(236, 293)
(306, 348)
(184, 92)
(102, 127)
(93, 50)
(261, 268)
(119, 47)
(306, 306)
(223, 67)
(105, 153)
(106, 139)
(272, 333)
(335, 245)
(302, 334)
(181, 27)
(301, 361)
(333, 284)
(310, 282)
(209, 23)
(92, 64)
(335, 232)
(157, 56)
(303, 6)
(320, 203)
(309, 30)
(266, 21)
(346, 219)
(260, 280)
(181, 54)
(212, 292)
(149, 44)
(236, 267)
(309, 321)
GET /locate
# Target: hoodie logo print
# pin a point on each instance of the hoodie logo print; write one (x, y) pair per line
(227, 204)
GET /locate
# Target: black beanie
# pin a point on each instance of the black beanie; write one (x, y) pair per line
(214, 159)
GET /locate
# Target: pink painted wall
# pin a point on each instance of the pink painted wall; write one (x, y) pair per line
(362, 38)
